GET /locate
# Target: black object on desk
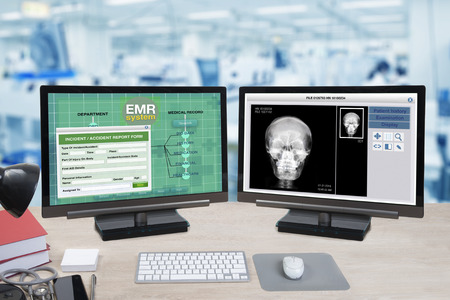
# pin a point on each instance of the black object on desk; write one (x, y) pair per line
(112, 227)
(11, 292)
(344, 226)
(70, 288)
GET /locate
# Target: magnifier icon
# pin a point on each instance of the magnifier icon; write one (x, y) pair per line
(398, 136)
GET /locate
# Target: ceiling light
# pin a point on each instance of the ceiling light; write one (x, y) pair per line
(123, 32)
(15, 33)
(125, 2)
(33, 9)
(113, 23)
(254, 24)
(6, 34)
(285, 9)
(333, 29)
(381, 18)
(67, 8)
(282, 31)
(157, 30)
(149, 20)
(207, 15)
(11, 16)
(371, 4)
(312, 22)
(197, 27)
(386, 27)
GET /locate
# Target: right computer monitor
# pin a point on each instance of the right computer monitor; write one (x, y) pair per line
(335, 156)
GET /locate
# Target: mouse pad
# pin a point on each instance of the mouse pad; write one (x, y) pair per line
(321, 273)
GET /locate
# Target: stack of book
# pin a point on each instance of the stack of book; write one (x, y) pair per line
(22, 242)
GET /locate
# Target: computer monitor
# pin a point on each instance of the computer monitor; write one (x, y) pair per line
(130, 156)
(335, 156)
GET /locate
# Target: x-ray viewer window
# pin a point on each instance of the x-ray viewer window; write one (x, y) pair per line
(360, 148)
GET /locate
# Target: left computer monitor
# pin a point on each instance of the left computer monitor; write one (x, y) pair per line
(131, 156)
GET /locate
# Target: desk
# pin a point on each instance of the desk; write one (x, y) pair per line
(407, 258)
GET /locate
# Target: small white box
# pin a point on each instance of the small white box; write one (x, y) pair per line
(76, 260)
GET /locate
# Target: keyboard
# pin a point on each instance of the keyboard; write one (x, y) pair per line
(171, 267)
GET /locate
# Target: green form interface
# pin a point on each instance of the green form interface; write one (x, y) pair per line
(111, 146)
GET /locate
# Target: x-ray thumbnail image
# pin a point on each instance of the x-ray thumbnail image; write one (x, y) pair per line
(351, 123)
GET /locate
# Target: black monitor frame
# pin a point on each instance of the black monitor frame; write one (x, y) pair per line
(334, 205)
(130, 206)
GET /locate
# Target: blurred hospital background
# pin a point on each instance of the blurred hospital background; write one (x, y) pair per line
(229, 43)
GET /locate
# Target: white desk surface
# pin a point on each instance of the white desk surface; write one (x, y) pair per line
(406, 258)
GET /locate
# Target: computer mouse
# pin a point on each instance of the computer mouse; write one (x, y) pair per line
(293, 267)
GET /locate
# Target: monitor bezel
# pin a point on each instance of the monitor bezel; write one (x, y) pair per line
(102, 207)
(322, 204)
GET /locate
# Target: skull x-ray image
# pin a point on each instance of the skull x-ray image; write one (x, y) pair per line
(288, 142)
(351, 123)
(292, 148)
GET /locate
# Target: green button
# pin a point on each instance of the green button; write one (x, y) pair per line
(140, 184)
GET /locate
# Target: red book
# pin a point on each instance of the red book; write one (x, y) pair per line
(26, 261)
(20, 236)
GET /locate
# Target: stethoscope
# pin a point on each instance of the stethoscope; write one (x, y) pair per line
(44, 289)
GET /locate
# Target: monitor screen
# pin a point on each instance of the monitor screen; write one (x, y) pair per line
(333, 147)
(124, 147)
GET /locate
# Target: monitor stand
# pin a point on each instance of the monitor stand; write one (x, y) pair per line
(128, 225)
(337, 225)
